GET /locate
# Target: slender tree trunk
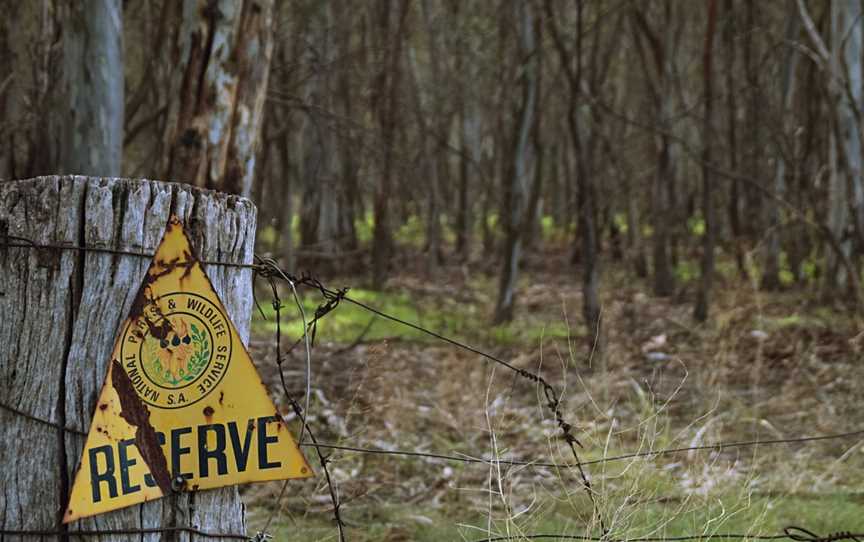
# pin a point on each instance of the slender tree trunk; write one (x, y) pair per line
(634, 233)
(517, 182)
(533, 211)
(387, 93)
(771, 274)
(286, 216)
(664, 279)
(734, 208)
(468, 160)
(754, 143)
(700, 311)
(585, 191)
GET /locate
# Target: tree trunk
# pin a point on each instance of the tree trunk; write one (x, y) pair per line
(61, 311)
(222, 53)
(586, 239)
(771, 275)
(468, 158)
(844, 140)
(286, 217)
(516, 184)
(88, 114)
(635, 246)
(385, 104)
(664, 208)
(752, 160)
(732, 133)
(700, 311)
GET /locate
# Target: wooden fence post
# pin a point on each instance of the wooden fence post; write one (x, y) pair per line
(59, 314)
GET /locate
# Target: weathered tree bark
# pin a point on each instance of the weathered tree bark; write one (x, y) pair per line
(222, 50)
(7, 70)
(28, 80)
(60, 315)
(88, 113)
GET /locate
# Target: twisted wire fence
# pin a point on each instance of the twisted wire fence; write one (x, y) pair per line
(269, 271)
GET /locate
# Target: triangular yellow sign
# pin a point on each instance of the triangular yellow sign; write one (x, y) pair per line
(182, 407)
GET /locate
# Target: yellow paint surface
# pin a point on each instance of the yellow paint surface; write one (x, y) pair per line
(185, 384)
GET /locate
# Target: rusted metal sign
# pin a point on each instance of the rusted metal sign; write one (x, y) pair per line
(182, 407)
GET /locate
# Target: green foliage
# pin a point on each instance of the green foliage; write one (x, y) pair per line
(364, 226)
(548, 227)
(492, 221)
(620, 220)
(412, 232)
(267, 236)
(553, 231)
(696, 225)
(202, 352)
(809, 268)
(687, 270)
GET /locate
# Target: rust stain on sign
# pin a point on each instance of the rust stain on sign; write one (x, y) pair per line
(134, 411)
(162, 423)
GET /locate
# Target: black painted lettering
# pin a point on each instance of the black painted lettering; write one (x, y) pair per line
(263, 441)
(241, 453)
(217, 453)
(178, 451)
(107, 476)
(125, 463)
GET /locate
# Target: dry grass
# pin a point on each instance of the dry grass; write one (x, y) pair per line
(767, 366)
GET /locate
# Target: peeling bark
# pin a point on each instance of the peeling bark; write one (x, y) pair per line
(222, 49)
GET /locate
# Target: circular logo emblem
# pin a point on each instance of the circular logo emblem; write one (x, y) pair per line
(177, 350)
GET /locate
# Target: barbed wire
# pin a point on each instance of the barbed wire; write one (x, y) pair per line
(14, 241)
(793, 532)
(298, 410)
(718, 446)
(269, 270)
(139, 531)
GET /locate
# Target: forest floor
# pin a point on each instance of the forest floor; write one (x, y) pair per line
(766, 366)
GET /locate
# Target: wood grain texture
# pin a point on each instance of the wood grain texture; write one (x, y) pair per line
(59, 316)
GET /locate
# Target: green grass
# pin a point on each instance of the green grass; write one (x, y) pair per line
(447, 317)
(346, 323)
(645, 500)
(758, 514)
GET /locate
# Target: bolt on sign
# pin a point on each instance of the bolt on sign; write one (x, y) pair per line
(182, 407)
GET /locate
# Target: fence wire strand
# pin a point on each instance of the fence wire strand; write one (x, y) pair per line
(718, 446)
(270, 271)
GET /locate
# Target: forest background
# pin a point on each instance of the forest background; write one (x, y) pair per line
(664, 196)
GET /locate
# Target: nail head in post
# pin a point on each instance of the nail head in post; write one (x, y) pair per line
(178, 483)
